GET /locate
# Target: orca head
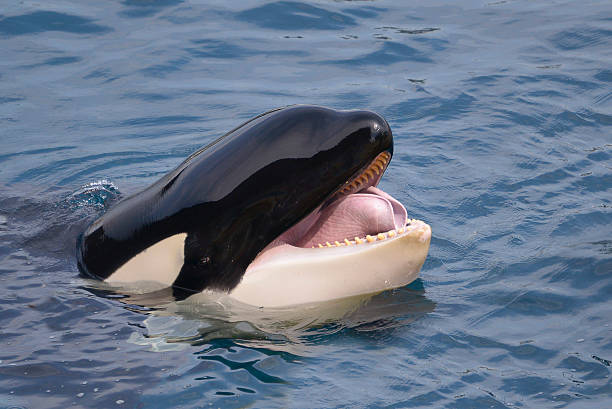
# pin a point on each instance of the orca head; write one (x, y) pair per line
(301, 176)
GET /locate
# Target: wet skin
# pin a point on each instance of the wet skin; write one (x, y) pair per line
(237, 194)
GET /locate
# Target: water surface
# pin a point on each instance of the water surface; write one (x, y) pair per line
(502, 115)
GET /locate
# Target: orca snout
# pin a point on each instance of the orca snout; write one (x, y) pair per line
(379, 134)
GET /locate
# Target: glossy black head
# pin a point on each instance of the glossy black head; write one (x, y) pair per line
(239, 193)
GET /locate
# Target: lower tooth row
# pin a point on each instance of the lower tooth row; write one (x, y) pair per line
(367, 239)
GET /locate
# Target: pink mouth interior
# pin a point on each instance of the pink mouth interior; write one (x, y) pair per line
(367, 212)
(358, 213)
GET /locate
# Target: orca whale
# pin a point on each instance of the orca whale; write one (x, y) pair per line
(281, 210)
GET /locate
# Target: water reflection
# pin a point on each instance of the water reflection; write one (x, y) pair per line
(209, 317)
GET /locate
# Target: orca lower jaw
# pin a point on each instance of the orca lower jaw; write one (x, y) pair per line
(288, 276)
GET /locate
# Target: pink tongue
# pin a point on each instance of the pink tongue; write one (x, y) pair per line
(370, 211)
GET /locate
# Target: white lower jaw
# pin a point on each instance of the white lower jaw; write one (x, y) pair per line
(304, 275)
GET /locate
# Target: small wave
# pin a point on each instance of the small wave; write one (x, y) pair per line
(99, 194)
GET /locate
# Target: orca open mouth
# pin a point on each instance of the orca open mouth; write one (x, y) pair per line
(358, 213)
(283, 209)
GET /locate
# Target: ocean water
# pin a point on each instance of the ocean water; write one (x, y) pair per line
(502, 117)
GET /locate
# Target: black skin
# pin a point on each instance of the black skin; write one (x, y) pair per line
(237, 194)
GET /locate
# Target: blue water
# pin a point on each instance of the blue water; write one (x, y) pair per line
(502, 116)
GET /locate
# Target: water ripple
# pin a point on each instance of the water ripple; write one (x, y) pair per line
(288, 15)
(41, 21)
(501, 120)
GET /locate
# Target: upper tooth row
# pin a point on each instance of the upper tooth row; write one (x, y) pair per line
(375, 168)
(367, 239)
